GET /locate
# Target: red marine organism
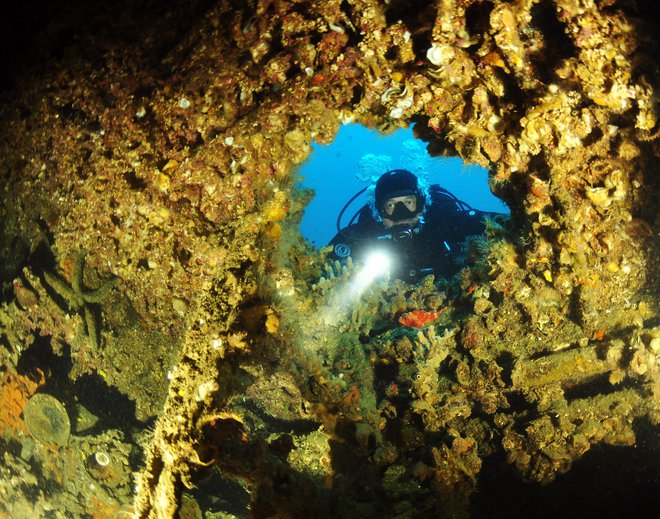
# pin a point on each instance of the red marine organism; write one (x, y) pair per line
(419, 318)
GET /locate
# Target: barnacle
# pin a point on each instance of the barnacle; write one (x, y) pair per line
(439, 54)
(99, 464)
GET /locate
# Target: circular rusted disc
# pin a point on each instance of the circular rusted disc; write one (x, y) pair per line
(47, 419)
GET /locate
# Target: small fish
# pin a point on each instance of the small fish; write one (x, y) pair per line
(419, 318)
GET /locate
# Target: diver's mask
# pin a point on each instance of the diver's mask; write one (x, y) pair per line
(401, 212)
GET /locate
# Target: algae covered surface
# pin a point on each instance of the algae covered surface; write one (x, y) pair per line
(171, 347)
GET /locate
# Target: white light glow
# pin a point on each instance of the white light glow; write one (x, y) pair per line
(376, 264)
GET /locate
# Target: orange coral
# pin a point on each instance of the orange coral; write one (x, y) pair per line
(419, 318)
(15, 391)
(353, 395)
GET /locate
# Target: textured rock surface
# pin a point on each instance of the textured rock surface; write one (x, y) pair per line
(163, 142)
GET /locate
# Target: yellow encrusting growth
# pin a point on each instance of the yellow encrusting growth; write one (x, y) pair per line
(169, 155)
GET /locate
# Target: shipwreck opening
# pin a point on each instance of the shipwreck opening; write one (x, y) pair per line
(419, 395)
(358, 156)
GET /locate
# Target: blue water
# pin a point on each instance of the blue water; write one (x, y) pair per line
(333, 171)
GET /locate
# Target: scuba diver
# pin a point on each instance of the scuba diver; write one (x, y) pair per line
(420, 228)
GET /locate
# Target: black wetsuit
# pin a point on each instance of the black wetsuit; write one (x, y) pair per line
(431, 247)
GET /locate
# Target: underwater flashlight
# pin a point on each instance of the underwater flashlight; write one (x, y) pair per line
(376, 264)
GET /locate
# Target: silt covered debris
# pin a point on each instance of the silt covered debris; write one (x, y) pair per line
(149, 243)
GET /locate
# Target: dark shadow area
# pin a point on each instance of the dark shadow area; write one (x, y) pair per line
(607, 482)
(114, 410)
(41, 32)
(275, 424)
(15, 254)
(558, 45)
(40, 356)
(418, 18)
(477, 18)
(597, 386)
(218, 493)
(19, 22)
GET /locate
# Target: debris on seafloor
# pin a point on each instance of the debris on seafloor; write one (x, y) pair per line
(169, 154)
(47, 419)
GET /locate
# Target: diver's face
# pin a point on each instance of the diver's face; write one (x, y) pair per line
(409, 202)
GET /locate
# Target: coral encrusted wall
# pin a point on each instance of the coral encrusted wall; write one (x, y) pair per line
(147, 168)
